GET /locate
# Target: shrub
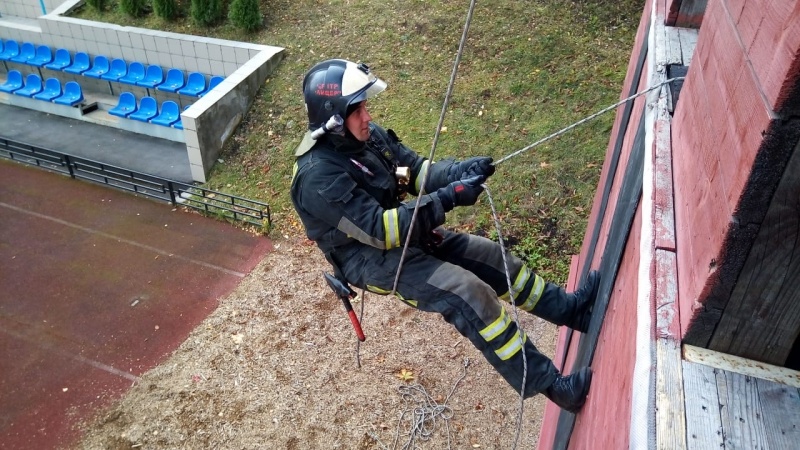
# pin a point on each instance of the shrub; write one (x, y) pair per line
(245, 14)
(133, 8)
(165, 9)
(97, 5)
(206, 12)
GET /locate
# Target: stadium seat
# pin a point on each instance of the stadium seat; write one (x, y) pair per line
(52, 89)
(170, 113)
(10, 50)
(152, 78)
(99, 68)
(43, 56)
(195, 85)
(215, 80)
(26, 52)
(79, 65)
(118, 70)
(13, 82)
(173, 82)
(135, 74)
(33, 85)
(147, 110)
(73, 94)
(61, 60)
(125, 106)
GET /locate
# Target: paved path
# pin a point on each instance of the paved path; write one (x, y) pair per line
(96, 287)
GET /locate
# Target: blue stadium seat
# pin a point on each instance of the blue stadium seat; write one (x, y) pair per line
(126, 105)
(170, 113)
(173, 82)
(33, 85)
(52, 89)
(62, 59)
(10, 50)
(43, 56)
(212, 83)
(79, 65)
(99, 68)
(148, 109)
(13, 82)
(26, 52)
(195, 85)
(134, 75)
(152, 78)
(118, 70)
(72, 95)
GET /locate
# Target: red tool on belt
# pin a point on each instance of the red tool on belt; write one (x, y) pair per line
(343, 291)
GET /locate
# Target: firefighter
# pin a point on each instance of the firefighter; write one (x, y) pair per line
(349, 185)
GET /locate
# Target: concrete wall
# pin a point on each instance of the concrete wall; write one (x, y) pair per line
(234, 60)
(29, 9)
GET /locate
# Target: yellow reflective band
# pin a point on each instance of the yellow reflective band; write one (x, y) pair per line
(498, 326)
(519, 284)
(391, 227)
(512, 346)
(536, 294)
(421, 175)
(294, 170)
(377, 290)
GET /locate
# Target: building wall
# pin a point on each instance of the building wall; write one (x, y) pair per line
(605, 419)
(744, 71)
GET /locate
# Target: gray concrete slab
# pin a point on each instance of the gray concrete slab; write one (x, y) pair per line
(138, 152)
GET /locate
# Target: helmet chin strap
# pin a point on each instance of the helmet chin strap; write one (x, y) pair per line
(334, 125)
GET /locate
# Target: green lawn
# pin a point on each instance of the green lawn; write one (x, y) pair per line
(529, 68)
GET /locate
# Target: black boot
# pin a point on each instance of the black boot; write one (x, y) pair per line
(570, 392)
(584, 301)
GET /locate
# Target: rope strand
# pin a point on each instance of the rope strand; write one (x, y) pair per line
(436, 138)
(586, 119)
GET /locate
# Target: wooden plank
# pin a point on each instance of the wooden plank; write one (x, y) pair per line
(741, 414)
(703, 422)
(670, 409)
(762, 318)
(688, 38)
(742, 366)
(781, 411)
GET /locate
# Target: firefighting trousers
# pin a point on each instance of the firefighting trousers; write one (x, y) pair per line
(462, 280)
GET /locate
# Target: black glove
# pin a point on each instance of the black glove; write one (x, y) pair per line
(463, 192)
(479, 165)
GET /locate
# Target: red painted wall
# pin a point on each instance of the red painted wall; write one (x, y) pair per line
(604, 420)
(740, 73)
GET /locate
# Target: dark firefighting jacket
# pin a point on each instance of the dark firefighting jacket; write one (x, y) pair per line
(347, 196)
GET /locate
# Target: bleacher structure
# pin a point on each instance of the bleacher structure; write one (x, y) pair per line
(182, 88)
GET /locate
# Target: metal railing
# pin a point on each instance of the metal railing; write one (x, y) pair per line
(213, 203)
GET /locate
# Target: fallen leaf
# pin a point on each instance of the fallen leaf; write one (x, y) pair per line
(405, 375)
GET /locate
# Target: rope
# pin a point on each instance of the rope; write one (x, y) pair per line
(513, 302)
(436, 138)
(425, 412)
(586, 119)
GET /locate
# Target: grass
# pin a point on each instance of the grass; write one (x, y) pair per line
(529, 69)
